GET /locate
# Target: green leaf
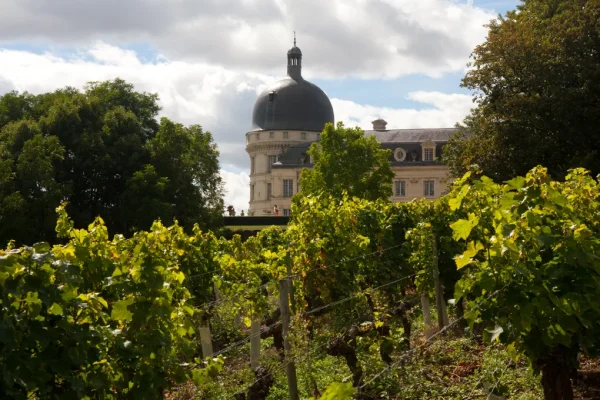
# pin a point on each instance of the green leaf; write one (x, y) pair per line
(120, 311)
(102, 301)
(179, 276)
(337, 391)
(467, 256)
(455, 202)
(461, 229)
(495, 333)
(41, 247)
(516, 183)
(33, 303)
(55, 309)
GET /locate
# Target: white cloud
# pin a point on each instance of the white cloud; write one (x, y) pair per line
(444, 112)
(237, 191)
(198, 93)
(191, 93)
(366, 38)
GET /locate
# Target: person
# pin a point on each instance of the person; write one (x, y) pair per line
(275, 210)
(242, 213)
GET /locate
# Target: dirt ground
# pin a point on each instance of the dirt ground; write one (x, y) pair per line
(587, 385)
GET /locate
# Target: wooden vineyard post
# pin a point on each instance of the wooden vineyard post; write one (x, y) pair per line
(439, 294)
(285, 321)
(255, 343)
(291, 284)
(444, 312)
(205, 338)
(426, 315)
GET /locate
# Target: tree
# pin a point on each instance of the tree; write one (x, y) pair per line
(347, 161)
(530, 267)
(104, 152)
(537, 90)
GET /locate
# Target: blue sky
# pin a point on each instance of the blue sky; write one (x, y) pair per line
(401, 60)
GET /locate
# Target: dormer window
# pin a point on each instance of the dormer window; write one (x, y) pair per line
(428, 154)
(428, 151)
(271, 96)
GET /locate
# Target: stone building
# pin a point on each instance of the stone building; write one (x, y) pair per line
(290, 114)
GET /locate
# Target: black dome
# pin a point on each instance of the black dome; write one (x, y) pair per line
(294, 105)
(294, 50)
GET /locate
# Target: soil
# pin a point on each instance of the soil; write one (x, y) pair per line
(587, 384)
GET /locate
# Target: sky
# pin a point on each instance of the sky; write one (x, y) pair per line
(400, 60)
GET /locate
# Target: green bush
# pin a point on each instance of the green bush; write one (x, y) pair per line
(94, 318)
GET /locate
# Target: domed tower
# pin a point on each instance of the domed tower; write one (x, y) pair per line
(288, 113)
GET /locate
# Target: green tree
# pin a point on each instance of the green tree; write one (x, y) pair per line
(530, 269)
(105, 152)
(347, 161)
(536, 81)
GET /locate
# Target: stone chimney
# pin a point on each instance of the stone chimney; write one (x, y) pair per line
(379, 125)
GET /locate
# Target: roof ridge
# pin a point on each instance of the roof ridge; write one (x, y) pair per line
(406, 129)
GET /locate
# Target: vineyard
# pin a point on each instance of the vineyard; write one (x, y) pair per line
(355, 299)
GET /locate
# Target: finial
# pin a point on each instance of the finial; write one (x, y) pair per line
(294, 38)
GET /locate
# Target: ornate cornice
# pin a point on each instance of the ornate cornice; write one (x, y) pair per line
(260, 147)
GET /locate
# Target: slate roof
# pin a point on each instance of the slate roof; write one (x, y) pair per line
(409, 139)
(412, 135)
(292, 104)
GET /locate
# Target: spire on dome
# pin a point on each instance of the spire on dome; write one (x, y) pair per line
(294, 66)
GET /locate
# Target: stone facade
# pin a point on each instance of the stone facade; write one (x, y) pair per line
(277, 159)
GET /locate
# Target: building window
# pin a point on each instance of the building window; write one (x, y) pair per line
(428, 154)
(400, 188)
(247, 138)
(271, 135)
(285, 135)
(257, 136)
(251, 192)
(272, 160)
(251, 165)
(288, 187)
(268, 191)
(428, 187)
(303, 135)
(287, 212)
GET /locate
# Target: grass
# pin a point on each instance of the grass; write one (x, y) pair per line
(451, 367)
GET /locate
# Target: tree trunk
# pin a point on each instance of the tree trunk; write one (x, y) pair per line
(339, 347)
(556, 375)
(275, 331)
(402, 311)
(260, 389)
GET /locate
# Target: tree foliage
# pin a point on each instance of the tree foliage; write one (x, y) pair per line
(532, 269)
(345, 160)
(536, 82)
(104, 151)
